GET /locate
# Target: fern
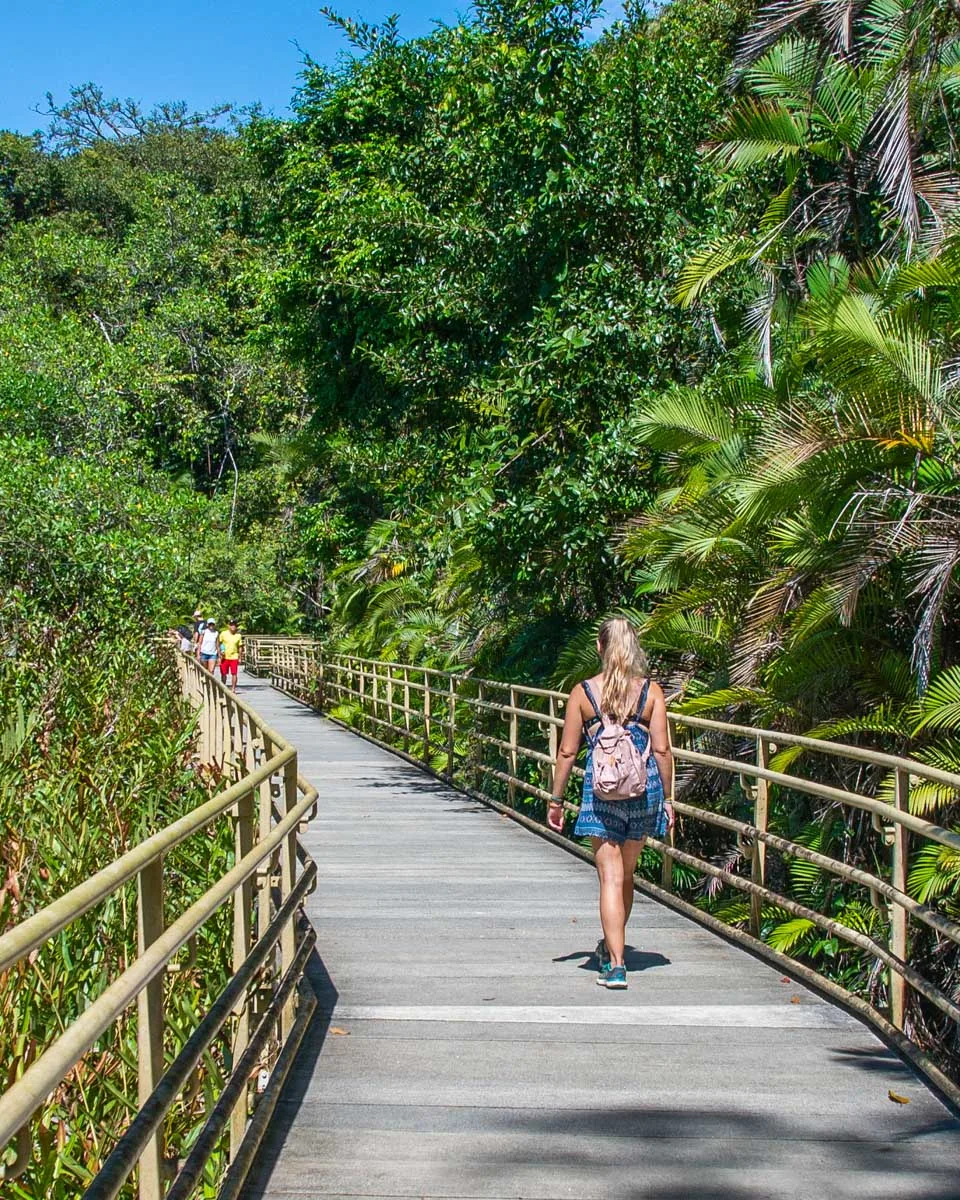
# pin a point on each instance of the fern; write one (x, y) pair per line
(786, 936)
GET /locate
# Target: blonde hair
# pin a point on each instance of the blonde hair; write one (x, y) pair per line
(624, 662)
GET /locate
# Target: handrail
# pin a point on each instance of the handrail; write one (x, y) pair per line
(35, 930)
(234, 739)
(824, 791)
(444, 720)
(838, 749)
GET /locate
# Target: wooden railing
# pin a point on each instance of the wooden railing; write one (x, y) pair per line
(288, 654)
(499, 740)
(266, 1004)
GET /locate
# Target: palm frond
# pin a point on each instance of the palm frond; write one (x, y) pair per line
(684, 417)
(759, 132)
(702, 268)
(771, 22)
(940, 706)
(934, 873)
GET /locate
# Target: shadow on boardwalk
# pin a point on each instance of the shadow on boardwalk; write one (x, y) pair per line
(650, 1143)
(634, 960)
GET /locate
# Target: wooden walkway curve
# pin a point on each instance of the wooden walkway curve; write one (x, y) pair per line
(463, 1050)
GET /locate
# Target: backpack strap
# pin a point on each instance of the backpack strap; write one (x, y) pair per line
(590, 696)
(642, 702)
(596, 708)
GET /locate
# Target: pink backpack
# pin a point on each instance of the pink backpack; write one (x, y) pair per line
(619, 766)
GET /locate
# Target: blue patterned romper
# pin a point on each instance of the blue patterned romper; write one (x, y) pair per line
(621, 820)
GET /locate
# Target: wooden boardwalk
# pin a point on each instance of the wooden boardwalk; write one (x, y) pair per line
(464, 1051)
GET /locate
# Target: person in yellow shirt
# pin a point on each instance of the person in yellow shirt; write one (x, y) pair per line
(231, 652)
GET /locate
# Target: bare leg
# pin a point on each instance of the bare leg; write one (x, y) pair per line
(630, 852)
(612, 919)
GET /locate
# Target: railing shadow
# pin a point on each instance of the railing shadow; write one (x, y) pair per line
(875, 1059)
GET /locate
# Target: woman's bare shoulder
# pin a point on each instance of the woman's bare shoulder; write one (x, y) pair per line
(654, 699)
(578, 690)
(578, 697)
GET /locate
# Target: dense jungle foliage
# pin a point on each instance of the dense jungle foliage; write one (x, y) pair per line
(507, 328)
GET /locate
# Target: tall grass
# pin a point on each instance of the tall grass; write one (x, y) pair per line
(96, 752)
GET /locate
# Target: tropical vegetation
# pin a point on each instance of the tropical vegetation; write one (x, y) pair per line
(507, 328)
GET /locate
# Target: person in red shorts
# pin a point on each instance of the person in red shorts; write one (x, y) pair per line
(231, 653)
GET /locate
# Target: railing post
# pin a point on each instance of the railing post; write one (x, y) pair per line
(208, 703)
(513, 739)
(666, 862)
(264, 823)
(234, 738)
(451, 723)
(898, 914)
(249, 750)
(758, 865)
(217, 699)
(390, 696)
(478, 753)
(214, 702)
(426, 717)
(552, 745)
(242, 902)
(202, 699)
(150, 1022)
(374, 693)
(288, 869)
(406, 709)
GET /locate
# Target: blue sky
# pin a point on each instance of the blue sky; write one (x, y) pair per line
(193, 50)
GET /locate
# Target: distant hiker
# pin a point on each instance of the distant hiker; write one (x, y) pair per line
(199, 625)
(231, 652)
(220, 659)
(622, 714)
(208, 647)
(185, 636)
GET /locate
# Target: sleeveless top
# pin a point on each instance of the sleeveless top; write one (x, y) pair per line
(648, 809)
(597, 718)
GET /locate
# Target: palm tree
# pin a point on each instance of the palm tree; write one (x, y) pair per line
(844, 117)
(788, 503)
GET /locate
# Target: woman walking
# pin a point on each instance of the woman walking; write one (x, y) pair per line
(621, 694)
